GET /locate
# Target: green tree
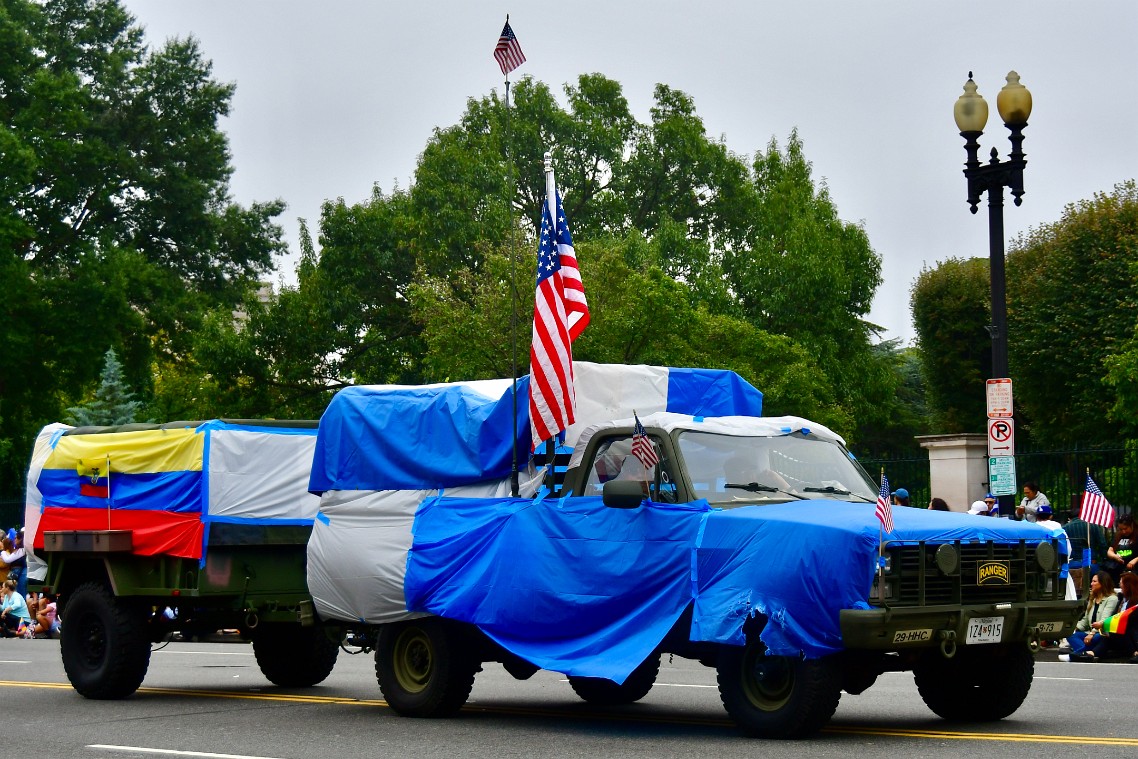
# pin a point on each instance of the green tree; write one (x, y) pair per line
(951, 309)
(113, 404)
(116, 224)
(1072, 313)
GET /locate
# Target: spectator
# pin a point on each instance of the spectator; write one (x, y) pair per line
(1120, 557)
(17, 562)
(978, 507)
(1123, 643)
(1101, 604)
(993, 505)
(1082, 564)
(14, 616)
(47, 620)
(938, 504)
(5, 547)
(900, 497)
(1032, 500)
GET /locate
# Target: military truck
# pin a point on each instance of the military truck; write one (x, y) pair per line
(187, 528)
(683, 523)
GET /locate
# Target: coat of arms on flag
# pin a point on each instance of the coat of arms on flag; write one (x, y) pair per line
(94, 477)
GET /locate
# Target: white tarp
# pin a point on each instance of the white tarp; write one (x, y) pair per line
(260, 474)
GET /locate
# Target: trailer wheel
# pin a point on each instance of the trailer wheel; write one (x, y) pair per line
(777, 696)
(292, 656)
(980, 684)
(602, 692)
(105, 644)
(422, 668)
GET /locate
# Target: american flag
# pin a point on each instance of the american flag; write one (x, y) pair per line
(1096, 509)
(560, 314)
(508, 52)
(642, 447)
(884, 510)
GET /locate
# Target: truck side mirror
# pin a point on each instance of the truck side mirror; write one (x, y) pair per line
(622, 494)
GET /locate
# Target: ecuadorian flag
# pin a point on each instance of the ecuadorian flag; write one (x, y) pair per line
(147, 481)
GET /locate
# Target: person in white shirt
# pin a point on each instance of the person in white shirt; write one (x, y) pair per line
(1032, 500)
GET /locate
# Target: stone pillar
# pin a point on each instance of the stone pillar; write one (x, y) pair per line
(958, 468)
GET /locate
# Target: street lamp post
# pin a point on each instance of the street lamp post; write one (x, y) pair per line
(971, 112)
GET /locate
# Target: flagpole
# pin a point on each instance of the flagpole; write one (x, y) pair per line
(108, 492)
(514, 486)
(551, 202)
(1086, 583)
(881, 550)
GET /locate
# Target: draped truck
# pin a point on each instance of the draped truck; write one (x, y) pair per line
(747, 543)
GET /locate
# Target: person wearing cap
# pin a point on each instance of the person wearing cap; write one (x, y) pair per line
(978, 507)
(993, 505)
(900, 497)
(1032, 500)
(1043, 519)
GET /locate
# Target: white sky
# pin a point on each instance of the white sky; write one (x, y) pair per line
(333, 97)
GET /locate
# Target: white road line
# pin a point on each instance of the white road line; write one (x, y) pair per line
(172, 752)
(1080, 679)
(204, 653)
(15, 661)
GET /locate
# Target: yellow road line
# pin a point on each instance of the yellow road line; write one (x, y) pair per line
(671, 719)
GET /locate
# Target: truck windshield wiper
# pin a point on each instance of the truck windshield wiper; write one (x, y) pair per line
(755, 487)
(830, 489)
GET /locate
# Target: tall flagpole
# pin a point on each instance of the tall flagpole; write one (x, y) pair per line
(514, 485)
(551, 201)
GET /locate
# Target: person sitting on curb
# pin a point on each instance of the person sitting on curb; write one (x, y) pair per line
(1102, 603)
(14, 616)
(1124, 641)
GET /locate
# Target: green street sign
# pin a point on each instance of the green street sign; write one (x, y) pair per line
(1002, 475)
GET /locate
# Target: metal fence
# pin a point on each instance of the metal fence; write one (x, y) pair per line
(1060, 474)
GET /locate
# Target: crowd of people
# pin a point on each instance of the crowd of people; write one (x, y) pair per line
(23, 614)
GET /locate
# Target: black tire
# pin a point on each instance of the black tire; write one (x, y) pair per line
(777, 696)
(602, 692)
(979, 684)
(292, 656)
(105, 645)
(423, 668)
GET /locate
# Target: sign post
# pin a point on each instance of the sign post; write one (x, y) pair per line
(1001, 438)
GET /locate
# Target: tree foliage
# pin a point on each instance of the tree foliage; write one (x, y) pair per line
(951, 309)
(1072, 319)
(116, 226)
(114, 402)
(1073, 308)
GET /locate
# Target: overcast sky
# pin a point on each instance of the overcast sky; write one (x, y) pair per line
(335, 96)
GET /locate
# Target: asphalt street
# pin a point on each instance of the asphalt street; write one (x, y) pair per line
(209, 699)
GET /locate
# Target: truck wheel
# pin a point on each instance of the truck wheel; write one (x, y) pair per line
(979, 684)
(422, 668)
(777, 696)
(292, 656)
(105, 646)
(602, 692)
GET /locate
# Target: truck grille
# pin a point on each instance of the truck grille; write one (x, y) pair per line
(920, 582)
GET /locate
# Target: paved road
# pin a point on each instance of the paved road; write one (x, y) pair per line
(209, 698)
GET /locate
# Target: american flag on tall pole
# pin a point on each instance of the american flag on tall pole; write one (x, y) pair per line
(884, 510)
(1096, 509)
(560, 314)
(642, 447)
(508, 52)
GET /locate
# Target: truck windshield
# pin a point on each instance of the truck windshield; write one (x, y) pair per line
(730, 470)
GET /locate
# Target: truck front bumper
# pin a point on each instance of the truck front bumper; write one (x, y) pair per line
(911, 627)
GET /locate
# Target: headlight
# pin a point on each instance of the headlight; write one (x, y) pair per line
(1046, 557)
(875, 594)
(947, 559)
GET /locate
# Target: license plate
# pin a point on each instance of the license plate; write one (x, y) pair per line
(985, 630)
(912, 636)
(1049, 627)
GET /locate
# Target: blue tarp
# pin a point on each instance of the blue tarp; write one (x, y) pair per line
(575, 587)
(421, 438)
